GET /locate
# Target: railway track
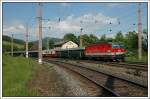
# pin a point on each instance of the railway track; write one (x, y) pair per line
(113, 86)
(138, 66)
(129, 65)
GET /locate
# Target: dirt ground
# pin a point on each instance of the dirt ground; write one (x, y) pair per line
(51, 80)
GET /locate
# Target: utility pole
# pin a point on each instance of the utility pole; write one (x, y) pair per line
(27, 41)
(47, 43)
(139, 32)
(40, 33)
(81, 37)
(12, 46)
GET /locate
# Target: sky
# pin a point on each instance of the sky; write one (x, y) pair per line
(94, 18)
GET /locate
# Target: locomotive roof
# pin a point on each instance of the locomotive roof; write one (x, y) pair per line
(104, 43)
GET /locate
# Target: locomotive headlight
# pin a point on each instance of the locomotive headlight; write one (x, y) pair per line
(119, 50)
(108, 51)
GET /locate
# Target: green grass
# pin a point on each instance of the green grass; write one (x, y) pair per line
(134, 58)
(17, 71)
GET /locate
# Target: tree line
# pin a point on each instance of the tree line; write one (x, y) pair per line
(129, 40)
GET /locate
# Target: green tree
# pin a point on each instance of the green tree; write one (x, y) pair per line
(70, 37)
(131, 40)
(119, 37)
(88, 39)
(51, 44)
(30, 44)
(145, 40)
(110, 39)
(103, 38)
(85, 40)
(93, 39)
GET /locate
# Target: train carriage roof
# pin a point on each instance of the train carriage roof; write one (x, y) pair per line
(79, 48)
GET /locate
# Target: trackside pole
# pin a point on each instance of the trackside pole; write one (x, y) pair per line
(139, 33)
(12, 46)
(40, 34)
(27, 41)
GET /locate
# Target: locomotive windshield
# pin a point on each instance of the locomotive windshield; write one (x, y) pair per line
(121, 46)
(115, 46)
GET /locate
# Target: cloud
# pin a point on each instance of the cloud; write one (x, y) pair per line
(72, 24)
(18, 29)
(15, 28)
(91, 23)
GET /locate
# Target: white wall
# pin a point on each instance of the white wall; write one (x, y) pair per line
(69, 44)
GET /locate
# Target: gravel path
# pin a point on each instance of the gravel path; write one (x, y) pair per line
(51, 80)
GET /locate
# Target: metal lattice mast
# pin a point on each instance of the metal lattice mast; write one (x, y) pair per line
(27, 41)
(40, 33)
(139, 32)
(12, 46)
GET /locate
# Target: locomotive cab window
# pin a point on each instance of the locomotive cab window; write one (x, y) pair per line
(122, 46)
(115, 46)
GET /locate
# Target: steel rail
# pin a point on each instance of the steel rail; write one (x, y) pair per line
(107, 90)
(137, 66)
(70, 64)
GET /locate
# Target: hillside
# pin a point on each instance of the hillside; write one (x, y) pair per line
(44, 42)
(6, 43)
(19, 44)
(8, 39)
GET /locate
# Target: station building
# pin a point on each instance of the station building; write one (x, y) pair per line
(60, 45)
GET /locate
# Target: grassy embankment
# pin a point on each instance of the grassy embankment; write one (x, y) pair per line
(134, 58)
(17, 71)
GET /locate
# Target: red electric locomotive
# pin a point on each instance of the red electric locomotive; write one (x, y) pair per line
(105, 51)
